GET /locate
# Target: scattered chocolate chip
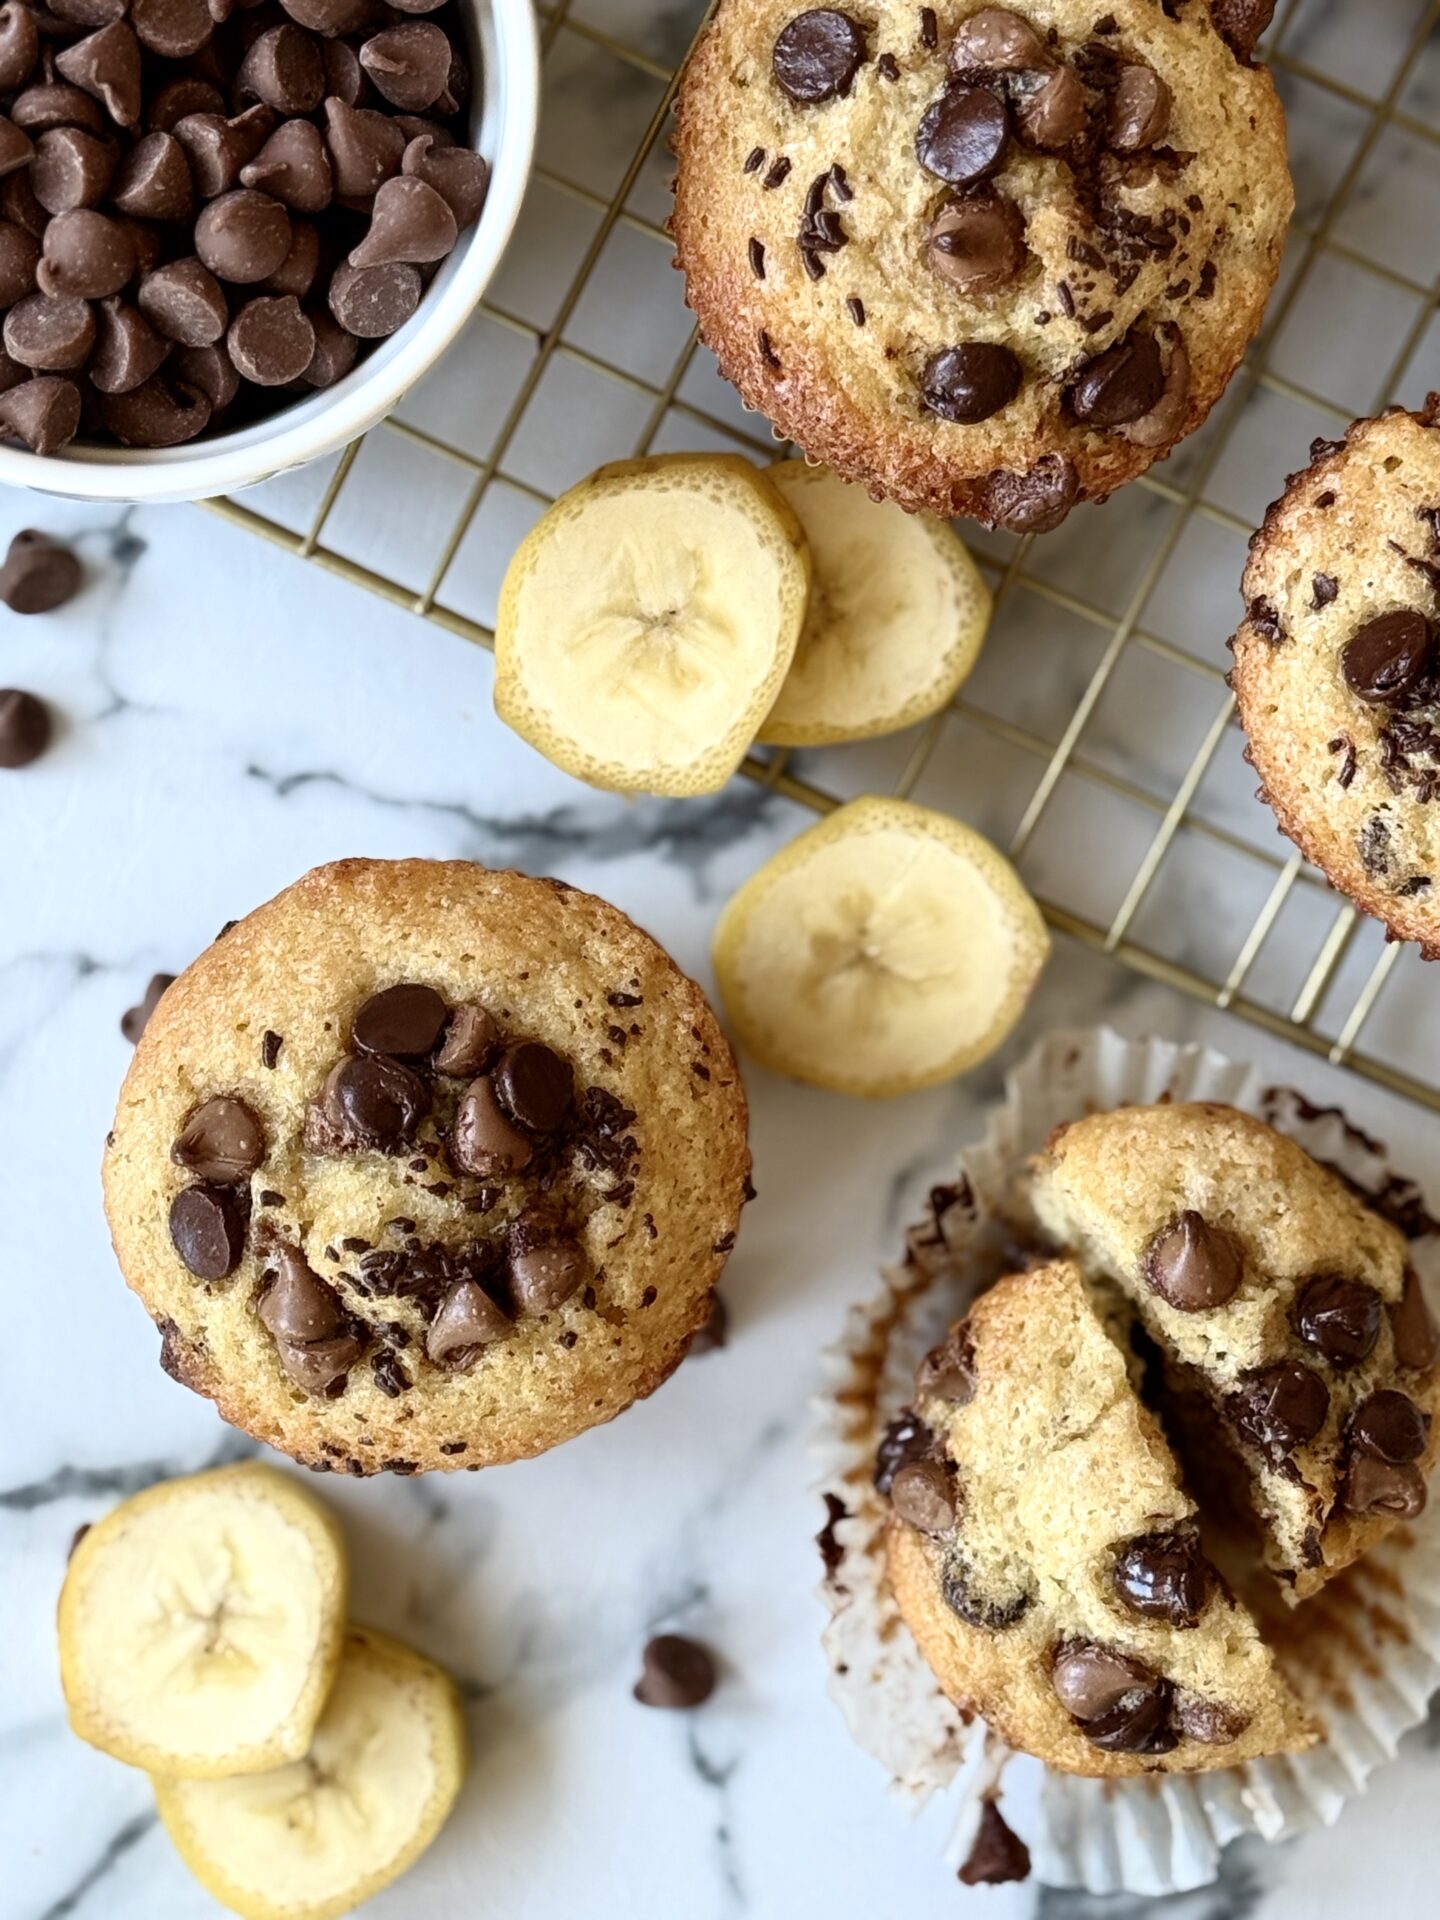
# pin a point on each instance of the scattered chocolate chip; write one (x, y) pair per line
(134, 1020)
(1053, 114)
(207, 1230)
(1163, 1576)
(1139, 110)
(997, 1855)
(929, 29)
(1280, 1408)
(888, 67)
(754, 160)
(1323, 589)
(1037, 501)
(297, 1305)
(321, 1366)
(39, 574)
(1413, 1327)
(977, 244)
(536, 1087)
(1339, 1318)
(1207, 1722)
(24, 728)
(1193, 1265)
(948, 1371)
(1121, 1704)
(963, 135)
(678, 1673)
(1121, 384)
(961, 1590)
(222, 1143)
(470, 1041)
(713, 1332)
(483, 1139)
(923, 1495)
(970, 383)
(757, 258)
(906, 1438)
(543, 1276)
(404, 1020)
(467, 1320)
(818, 54)
(778, 173)
(1373, 1485)
(1389, 1425)
(389, 1374)
(1388, 656)
(995, 40)
(370, 1101)
(855, 307)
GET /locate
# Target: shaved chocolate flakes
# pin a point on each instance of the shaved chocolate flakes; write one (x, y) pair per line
(929, 28)
(1066, 299)
(757, 258)
(767, 351)
(755, 159)
(888, 67)
(855, 307)
(270, 1048)
(1345, 772)
(777, 173)
(1266, 622)
(820, 228)
(1323, 589)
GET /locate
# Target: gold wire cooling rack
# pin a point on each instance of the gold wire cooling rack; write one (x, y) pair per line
(1350, 264)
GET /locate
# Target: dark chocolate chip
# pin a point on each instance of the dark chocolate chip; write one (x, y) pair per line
(997, 1855)
(1192, 1265)
(1339, 1318)
(970, 383)
(403, 1020)
(1121, 384)
(24, 728)
(1163, 1576)
(221, 1143)
(678, 1673)
(1280, 1408)
(536, 1087)
(208, 1231)
(134, 1020)
(1388, 656)
(1389, 1425)
(1413, 1327)
(370, 1101)
(963, 135)
(39, 574)
(818, 54)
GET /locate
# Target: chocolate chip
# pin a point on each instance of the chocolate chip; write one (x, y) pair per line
(158, 413)
(923, 1496)
(369, 1101)
(43, 413)
(483, 1140)
(963, 135)
(467, 1320)
(184, 302)
(1373, 1485)
(1388, 656)
(1052, 114)
(409, 64)
(1413, 1327)
(471, 1039)
(997, 1856)
(948, 1371)
(24, 728)
(459, 176)
(86, 254)
(71, 169)
(977, 245)
(1163, 1576)
(293, 167)
(1037, 501)
(48, 105)
(1280, 1408)
(995, 40)
(153, 181)
(365, 148)
(51, 335)
(318, 1365)
(1120, 384)
(373, 302)
(818, 54)
(172, 28)
(127, 348)
(970, 383)
(410, 223)
(1139, 110)
(1121, 1704)
(107, 65)
(544, 1276)
(536, 1087)
(185, 94)
(1340, 1318)
(298, 1305)
(962, 1592)
(19, 257)
(243, 236)
(19, 46)
(1389, 1425)
(39, 574)
(221, 1143)
(1193, 1265)
(283, 68)
(678, 1673)
(906, 1438)
(713, 1332)
(134, 1020)
(207, 1230)
(1207, 1722)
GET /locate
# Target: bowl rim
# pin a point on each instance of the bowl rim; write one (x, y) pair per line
(327, 420)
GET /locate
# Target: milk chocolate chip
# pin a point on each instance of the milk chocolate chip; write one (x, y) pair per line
(318, 1364)
(978, 245)
(222, 1142)
(298, 1305)
(85, 254)
(243, 236)
(1207, 1721)
(1192, 1265)
(1139, 110)
(1381, 1486)
(207, 1230)
(271, 342)
(923, 1495)
(948, 1371)
(374, 302)
(39, 573)
(1122, 1706)
(44, 413)
(472, 1038)
(1340, 1318)
(818, 54)
(24, 728)
(483, 1141)
(1052, 114)
(678, 1673)
(468, 1320)
(409, 64)
(995, 40)
(543, 1276)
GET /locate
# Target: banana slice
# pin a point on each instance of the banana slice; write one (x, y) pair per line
(647, 622)
(897, 612)
(313, 1840)
(885, 949)
(201, 1622)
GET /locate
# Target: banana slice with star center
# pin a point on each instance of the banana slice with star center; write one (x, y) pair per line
(897, 614)
(886, 949)
(312, 1840)
(646, 623)
(200, 1624)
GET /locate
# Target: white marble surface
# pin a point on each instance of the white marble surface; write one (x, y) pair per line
(230, 717)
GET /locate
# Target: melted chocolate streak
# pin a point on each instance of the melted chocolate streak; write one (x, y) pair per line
(114, 1851)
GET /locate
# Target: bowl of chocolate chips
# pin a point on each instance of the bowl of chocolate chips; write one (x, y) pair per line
(234, 232)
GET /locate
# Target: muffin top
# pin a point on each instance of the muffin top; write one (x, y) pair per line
(990, 260)
(425, 1165)
(1337, 666)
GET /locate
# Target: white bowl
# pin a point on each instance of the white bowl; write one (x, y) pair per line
(503, 117)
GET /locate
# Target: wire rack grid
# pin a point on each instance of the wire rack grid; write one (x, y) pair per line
(1349, 267)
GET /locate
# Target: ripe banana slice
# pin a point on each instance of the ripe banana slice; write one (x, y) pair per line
(897, 612)
(885, 949)
(647, 622)
(312, 1840)
(201, 1622)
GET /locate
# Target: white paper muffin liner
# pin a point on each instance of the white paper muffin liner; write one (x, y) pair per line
(1365, 1653)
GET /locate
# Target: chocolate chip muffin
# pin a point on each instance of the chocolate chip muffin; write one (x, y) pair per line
(1290, 1340)
(1337, 666)
(987, 260)
(421, 1165)
(1048, 1560)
